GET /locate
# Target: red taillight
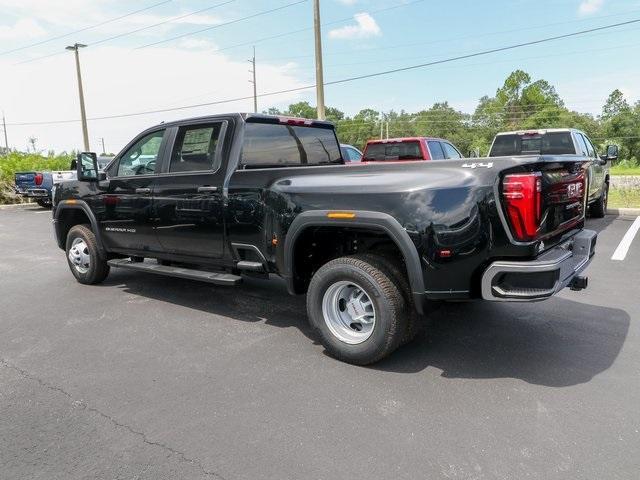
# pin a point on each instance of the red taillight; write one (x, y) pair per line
(38, 178)
(522, 194)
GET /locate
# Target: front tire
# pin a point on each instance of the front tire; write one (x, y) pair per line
(357, 310)
(599, 207)
(83, 256)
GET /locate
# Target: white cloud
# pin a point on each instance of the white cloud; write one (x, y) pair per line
(348, 2)
(587, 7)
(365, 27)
(117, 80)
(23, 28)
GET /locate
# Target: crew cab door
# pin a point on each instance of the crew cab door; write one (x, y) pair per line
(188, 197)
(124, 207)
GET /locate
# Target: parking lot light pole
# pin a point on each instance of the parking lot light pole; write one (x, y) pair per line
(319, 73)
(4, 128)
(83, 114)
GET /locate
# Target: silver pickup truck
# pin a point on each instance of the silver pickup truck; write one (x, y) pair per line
(562, 141)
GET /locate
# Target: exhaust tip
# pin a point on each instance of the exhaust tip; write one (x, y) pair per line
(579, 283)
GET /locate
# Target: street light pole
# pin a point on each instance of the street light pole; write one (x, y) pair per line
(255, 88)
(4, 128)
(319, 71)
(83, 113)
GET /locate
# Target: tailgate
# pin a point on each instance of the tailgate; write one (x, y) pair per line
(63, 176)
(555, 202)
(25, 180)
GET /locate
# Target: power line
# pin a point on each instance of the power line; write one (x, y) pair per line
(351, 79)
(253, 42)
(131, 32)
(84, 29)
(237, 20)
(180, 17)
(446, 40)
(308, 29)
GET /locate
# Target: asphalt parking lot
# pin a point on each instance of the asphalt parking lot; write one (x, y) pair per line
(146, 377)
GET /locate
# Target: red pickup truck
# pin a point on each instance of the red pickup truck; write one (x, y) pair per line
(409, 148)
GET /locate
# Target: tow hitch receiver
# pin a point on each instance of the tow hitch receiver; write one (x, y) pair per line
(579, 283)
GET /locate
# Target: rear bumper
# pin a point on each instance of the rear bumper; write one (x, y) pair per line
(33, 192)
(541, 278)
(37, 193)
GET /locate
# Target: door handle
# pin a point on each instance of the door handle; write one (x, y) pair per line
(207, 189)
(143, 190)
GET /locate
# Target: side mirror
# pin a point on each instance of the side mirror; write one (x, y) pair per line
(87, 167)
(612, 153)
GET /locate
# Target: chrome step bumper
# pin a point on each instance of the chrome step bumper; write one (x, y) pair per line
(539, 279)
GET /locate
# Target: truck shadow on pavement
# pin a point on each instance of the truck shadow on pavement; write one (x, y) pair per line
(556, 343)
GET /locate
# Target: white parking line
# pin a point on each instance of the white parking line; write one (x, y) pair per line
(625, 243)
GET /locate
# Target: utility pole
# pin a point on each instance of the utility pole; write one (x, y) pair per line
(104, 152)
(319, 71)
(255, 88)
(83, 113)
(4, 128)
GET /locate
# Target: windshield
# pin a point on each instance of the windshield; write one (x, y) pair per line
(382, 152)
(552, 143)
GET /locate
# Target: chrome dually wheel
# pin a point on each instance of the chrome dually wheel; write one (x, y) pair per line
(79, 255)
(349, 312)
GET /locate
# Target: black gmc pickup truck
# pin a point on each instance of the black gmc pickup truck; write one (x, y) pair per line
(372, 245)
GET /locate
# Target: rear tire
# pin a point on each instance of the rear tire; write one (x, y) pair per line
(83, 256)
(357, 310)
(599, 207)
(393, 268)
(44, 203)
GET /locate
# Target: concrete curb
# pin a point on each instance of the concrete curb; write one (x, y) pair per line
(17, 205)
(632, 212)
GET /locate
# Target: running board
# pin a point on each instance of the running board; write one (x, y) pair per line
(188, 273)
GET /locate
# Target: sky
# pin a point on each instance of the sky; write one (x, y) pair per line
(179, 53)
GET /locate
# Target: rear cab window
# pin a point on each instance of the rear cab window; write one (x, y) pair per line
(550, 143)
(382, 152)
(281, 145)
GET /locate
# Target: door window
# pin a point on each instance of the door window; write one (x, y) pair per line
(352, 155)
(196, 149)
(436, 150)
(450, 151)
(141, 158)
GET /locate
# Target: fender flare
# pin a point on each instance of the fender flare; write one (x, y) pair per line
(374, 220)
(66, 205)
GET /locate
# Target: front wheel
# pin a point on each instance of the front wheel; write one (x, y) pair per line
(83, 256)
(357, 310)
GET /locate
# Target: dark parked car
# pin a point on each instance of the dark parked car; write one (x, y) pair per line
(350, 153)
(372, 245)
